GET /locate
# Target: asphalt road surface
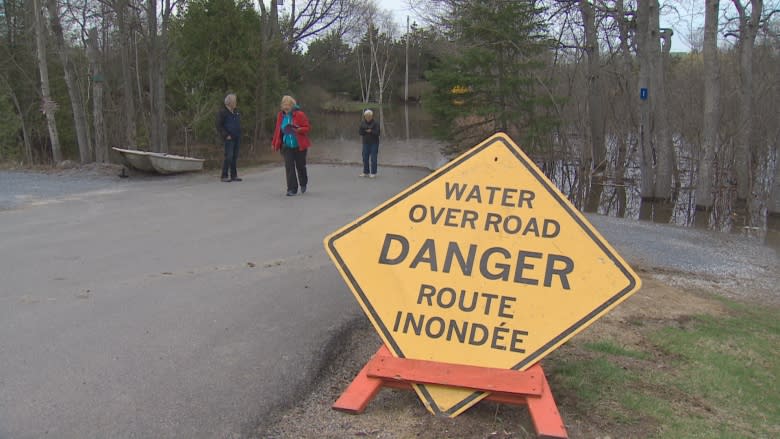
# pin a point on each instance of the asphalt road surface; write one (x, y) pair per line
(187, 307)
(169, 307)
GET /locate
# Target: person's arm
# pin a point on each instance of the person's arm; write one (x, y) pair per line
(302, 126)
(221, 125)
(362, 129)
(375, 129)
(276, 141)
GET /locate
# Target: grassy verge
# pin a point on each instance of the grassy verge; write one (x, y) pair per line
(698, 377)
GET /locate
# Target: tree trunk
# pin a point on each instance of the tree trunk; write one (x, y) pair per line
(157, 126)
(711, 105)
(48, 106)
(622, 132)
(748, 29)
(128, 100)
(268, 74)
(76, 103)
(751, 155)
(593, 153)
(665, 153)
(93, 52)
(260, 85)
(725, 187)
(153, 73)
(763, 181)
(647, 41)
(595, 106)
(162, 102)
(25, 131)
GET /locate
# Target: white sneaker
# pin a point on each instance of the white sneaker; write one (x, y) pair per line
(372, 176)
(362, 174)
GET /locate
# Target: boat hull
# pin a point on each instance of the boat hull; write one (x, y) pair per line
(136, 159)
(159, 162)
(174, 164)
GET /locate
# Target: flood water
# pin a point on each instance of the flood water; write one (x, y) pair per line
(619, 197)
(342, 125)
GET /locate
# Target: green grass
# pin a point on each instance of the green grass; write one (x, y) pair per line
(732, 363)
(711, 377)
(590, 379)
(608, 347)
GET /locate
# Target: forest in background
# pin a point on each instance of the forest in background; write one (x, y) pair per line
(593, 83)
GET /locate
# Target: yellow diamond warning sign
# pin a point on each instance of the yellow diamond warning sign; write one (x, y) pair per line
(482, 263)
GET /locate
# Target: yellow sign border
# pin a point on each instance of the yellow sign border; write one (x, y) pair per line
(634, 282)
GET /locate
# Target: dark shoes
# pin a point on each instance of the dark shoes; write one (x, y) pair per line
(292, 193)
(225, 179)
(236, 179)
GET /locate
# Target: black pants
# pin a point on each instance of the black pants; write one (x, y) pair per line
(231, 157)
(295, 161)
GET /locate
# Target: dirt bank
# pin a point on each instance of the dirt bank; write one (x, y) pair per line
(667, 299)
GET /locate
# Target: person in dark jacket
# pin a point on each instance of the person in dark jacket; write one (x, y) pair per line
(369, 130)
(291, 137)
(229, 128)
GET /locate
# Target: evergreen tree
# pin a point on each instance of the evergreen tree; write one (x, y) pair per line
(327, 64)
(487, 83)
(215, 51)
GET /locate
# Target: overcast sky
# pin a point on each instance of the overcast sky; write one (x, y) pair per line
(401, 9)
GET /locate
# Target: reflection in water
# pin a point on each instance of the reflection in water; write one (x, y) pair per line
(684, 210)
(341, 125)
(614, 187)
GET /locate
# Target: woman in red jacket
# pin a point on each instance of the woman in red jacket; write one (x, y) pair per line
(291, 137)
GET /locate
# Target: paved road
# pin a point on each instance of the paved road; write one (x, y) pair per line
(186, 307)
(128, 308)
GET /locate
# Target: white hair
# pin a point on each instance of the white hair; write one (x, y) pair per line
(368, 113)
(289, 99)
(230, 98)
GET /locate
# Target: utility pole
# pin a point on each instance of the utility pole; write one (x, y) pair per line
(406, 81)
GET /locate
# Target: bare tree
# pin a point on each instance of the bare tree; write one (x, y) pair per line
(364, 56)
(48, 106)
(268, 74)
(710, 144)
(157, 45)
(665, 152)
(594, 155)
(93, 53)
(382, 59)
(122, 9)
(749, 14)
(756, 161)
(305, 19)
(365, 68)
(25, 130)
(593, 152)
(646, 48)
(71, 81)
(119, 20)
(655, 137)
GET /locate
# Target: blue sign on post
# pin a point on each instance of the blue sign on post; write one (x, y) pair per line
(643, 94)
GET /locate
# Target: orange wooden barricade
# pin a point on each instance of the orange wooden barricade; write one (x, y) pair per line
(528, 387)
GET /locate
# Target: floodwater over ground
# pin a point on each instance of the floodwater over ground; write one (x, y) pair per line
(619, 195)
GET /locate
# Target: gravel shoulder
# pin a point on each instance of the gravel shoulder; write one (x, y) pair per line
(667, 297)
(683, 273)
